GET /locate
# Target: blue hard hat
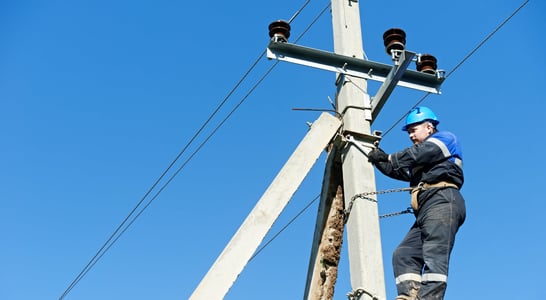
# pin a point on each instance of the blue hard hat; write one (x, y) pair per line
(419, 115)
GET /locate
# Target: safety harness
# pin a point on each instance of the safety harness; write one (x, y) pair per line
(423, 186)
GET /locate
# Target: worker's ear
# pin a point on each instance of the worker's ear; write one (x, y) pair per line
(430, 128)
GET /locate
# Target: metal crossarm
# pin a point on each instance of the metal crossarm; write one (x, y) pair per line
(351, 66)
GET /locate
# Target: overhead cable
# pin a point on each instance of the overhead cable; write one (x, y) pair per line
(489, 36)
(131, 217)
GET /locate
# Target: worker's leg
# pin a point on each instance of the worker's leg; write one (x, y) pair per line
(440, 222)
(407, 264)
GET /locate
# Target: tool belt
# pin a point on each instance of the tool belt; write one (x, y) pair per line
(423, 186)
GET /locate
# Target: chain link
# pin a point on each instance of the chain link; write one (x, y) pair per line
(366, 195)
(408, 210)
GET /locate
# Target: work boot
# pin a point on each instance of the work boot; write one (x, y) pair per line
(408, 290)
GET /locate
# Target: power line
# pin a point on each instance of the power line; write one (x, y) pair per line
(111, 240)
(125, 224)
(489, 36)
(284, 227)
(217, 128)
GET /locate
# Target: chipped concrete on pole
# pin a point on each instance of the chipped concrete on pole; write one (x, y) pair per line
(330, 249)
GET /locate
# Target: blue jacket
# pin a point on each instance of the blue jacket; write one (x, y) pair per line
(438, 158)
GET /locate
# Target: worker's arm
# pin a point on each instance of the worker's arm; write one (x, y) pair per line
(380, 159)
(437, 148)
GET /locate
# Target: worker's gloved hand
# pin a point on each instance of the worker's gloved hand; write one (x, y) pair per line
(377, 155)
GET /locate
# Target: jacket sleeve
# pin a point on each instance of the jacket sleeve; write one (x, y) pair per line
(417, 155)
(401, 165)
(387, 169)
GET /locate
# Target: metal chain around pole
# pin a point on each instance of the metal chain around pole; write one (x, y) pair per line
(366, 195)
(408, 210)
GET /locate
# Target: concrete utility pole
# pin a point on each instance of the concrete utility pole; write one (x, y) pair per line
(348, 173)
(250, 234)
(353, 102)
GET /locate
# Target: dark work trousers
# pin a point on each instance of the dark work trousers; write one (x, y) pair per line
(421, 261)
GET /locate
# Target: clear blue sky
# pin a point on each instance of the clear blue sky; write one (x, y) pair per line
(99, 97)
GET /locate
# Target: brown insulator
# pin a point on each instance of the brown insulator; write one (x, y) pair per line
(427, 63)
(394, 39)
(279, 31)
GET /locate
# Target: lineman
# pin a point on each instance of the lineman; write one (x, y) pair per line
(433, 165)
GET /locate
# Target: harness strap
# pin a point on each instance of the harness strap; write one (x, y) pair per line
(441, 184)
(423, 186)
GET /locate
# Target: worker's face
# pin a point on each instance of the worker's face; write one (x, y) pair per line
(419, 132)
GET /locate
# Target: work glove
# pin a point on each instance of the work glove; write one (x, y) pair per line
(377, 155)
